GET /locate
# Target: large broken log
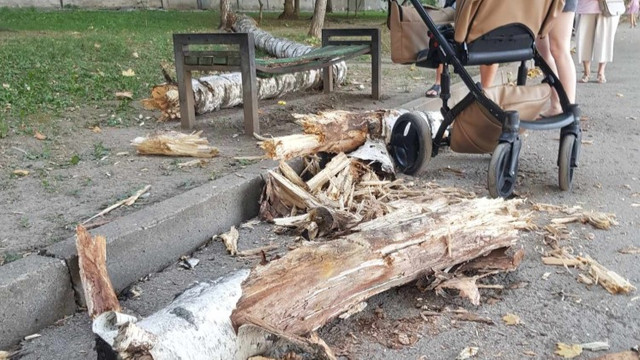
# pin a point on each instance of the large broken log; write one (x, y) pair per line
(331, 131)
(342, 273)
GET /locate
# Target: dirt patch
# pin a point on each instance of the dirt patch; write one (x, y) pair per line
(87, 163)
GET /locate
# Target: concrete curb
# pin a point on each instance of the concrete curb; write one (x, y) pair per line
(34, 293)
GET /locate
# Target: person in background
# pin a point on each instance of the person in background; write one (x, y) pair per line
(594, 38)
(555, 49)
(632, 9)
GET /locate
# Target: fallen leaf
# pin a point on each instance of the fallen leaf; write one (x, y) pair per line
(282, 102)
(467, 353)
(6, 86)
(20, 172)
(38, 135)
(128, 72)
(96, 129)
(124, 95)
(96, 45)
(466, 286)
(568, 351)
(135, 54)
(511, 319)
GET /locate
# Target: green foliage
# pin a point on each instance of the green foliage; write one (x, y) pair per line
(75, 159)
(55, 60)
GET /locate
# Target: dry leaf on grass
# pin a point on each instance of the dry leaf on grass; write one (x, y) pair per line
(568, 351)
(511, 319)
(173, 143)
(128, 72)
(38, 135)
(467, 352)
(230, 240)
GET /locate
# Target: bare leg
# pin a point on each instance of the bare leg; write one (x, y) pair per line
(601, 78)
(586, 70)
(433, 92)
(560, 49)
(488, 74)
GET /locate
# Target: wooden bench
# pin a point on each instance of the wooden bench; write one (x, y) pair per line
(337, 45)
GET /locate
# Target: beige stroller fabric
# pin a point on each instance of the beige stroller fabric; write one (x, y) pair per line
(409, 34)
(475, 18)
(476, 131)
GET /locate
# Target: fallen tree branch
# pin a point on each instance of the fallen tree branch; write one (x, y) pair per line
(128, 202)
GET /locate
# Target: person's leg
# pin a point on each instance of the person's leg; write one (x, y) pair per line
(434, 91)
(601, 78)
(560, 46)
(603, 50)
(585, 36)
(488, 74)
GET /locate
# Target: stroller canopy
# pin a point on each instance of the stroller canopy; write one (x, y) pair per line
(475, 18)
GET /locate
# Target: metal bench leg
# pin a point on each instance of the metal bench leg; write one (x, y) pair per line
(249, 86)
(375, 65)
(185, 91)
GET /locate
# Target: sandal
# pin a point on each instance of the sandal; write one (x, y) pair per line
(585, 78)
(434, 91)
(601, 79)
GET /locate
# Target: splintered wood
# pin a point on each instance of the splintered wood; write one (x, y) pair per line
(173, 143)
(332, 131)
(98, 291)
(166, 99)
(388, 233)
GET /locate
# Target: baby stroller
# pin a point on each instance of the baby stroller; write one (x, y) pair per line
(490, 120)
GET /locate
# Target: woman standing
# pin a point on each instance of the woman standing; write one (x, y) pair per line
(594, 38)
(555, 49)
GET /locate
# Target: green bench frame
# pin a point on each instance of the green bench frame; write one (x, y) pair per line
(243, 60)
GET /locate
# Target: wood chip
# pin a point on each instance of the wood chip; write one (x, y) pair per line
(173, 143)
(230, 240)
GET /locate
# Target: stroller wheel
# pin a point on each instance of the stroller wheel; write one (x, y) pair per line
(411, 143)
(566, 160)
(501, 183)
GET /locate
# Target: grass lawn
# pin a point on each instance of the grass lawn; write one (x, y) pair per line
(53, 61)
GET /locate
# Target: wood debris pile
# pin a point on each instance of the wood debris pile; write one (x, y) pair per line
(592, 271)
(345, 194)
(173, 143)
(166, 99)
(332, 131)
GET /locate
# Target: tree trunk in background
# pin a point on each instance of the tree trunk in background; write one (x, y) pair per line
(317, 22)
(289, 10)
(296, 8)
(225, 10)
(329, 6)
